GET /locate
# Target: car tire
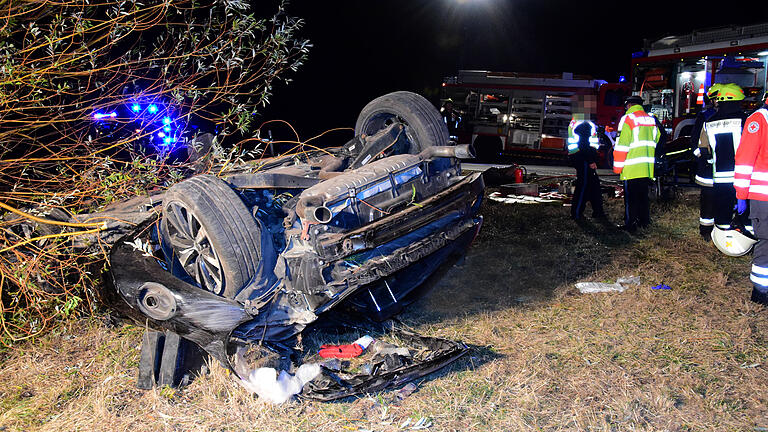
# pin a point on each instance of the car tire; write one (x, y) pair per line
(209, 234)
(424, 126)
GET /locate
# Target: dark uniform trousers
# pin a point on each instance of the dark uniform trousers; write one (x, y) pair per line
(636, 204)
(758, 212)
(723, 201)
(587, 188)
(706, 209)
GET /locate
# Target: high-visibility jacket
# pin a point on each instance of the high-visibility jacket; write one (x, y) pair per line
(635, 151)
(752, 158)
(720, 137)
(573, 139)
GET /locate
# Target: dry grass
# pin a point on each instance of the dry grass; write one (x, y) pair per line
(544, 357)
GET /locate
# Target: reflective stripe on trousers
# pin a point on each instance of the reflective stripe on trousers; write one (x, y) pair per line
(759, 214)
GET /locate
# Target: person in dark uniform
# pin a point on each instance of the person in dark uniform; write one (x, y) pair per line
(585, 162)
(719, 139)
(704, 165)
(451, 117)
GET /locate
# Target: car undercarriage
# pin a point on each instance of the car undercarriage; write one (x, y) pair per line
(260, 253)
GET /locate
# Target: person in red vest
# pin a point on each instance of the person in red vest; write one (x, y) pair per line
(751, 183)
(634, 159)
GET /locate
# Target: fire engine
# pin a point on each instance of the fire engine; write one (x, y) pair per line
(523, 114)
(673, 73)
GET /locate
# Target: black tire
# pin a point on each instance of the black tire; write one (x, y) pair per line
(205, 220)
(424, 127)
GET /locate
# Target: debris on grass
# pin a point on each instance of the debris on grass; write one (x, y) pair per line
(406, 391)
(278, 388)
(521, 199)
(620, 285)
(599, 287)
(629, 280)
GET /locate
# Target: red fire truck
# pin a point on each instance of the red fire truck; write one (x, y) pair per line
(671, 74)
(521, 114)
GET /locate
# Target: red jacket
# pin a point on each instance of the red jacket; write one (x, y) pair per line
(751, 177)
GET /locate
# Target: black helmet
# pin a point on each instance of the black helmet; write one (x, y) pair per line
(634, 100)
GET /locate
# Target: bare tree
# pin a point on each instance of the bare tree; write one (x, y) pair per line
(100, 100)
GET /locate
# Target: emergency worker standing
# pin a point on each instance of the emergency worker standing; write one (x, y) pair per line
(704, 165)
(634, 159)
(719, 140)
(582, 150)
(751, 184)
(450, 117)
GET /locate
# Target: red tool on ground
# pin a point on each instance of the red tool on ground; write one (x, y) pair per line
(340, 351)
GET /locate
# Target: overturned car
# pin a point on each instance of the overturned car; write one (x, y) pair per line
(261, 253)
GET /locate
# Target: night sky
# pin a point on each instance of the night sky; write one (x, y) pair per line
(364, 48)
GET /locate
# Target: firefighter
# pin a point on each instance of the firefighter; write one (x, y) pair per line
(751, 183)
(634, 159)
(719, 139)
(582, 150)
(704, 165)
(451, 117)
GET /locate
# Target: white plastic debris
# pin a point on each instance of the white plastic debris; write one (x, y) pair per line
(519, 199)
(629, 280)
(278, 388)
(364, 341)
(599, 287)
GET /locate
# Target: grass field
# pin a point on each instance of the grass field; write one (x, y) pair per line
(544, 357)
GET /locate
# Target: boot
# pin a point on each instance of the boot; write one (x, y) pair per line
(759, 297)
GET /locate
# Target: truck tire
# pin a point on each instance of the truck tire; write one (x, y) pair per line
(209, 234)
(424, 126)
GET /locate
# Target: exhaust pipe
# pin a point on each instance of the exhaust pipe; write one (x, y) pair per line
(463, 151)
(323, 214)
(313, 209)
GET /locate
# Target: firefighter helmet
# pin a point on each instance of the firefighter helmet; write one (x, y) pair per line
(730, 92)
(734, 241)
(713, 90)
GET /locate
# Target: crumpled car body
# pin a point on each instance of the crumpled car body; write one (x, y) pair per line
(262, 252)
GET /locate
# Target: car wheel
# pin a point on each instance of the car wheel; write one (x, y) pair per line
(424, 126)
(210, 235)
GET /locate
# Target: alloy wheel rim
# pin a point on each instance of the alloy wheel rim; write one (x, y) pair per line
(193, 248)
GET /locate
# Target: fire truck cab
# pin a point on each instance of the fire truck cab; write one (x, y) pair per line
(673, 73)
(522, 114)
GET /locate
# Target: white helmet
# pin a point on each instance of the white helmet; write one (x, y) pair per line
(734, 241)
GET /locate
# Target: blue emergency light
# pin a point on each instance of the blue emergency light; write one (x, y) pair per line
(99, 116)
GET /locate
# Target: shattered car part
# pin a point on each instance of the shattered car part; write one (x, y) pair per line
(257, 256)
(390, 368)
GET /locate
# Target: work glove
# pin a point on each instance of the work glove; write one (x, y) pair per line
(741, 206)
